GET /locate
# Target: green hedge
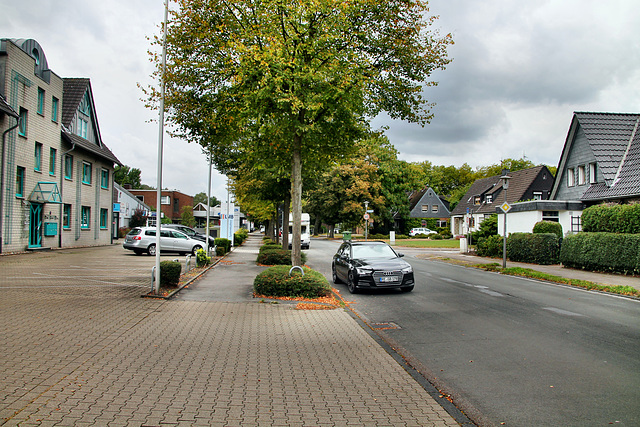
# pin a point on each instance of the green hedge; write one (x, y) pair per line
(240, 236)
(269, 247)
(612, 219)
(276, 282)
(277, 257)
(170, 273)
(535, 248)
(223, 245)
(490, 246)
(548, 227)
(607, 252)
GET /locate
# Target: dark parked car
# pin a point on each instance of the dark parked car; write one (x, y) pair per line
(191, 233)
(373, 265)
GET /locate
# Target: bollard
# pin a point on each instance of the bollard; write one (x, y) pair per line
(153, 277)
(296, 267)
(187, 264)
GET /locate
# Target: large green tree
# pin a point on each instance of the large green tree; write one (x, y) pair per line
(294, 81)
(127, 175)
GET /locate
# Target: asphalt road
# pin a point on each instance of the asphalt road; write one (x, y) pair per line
(510, 350)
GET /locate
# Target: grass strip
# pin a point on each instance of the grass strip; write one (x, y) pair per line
(533, 274)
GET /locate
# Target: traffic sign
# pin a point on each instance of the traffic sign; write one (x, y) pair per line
(366, 216)
(506, 207)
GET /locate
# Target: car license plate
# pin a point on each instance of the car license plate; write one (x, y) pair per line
(388, 279)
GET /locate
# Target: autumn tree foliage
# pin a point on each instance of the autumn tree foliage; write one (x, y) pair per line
(295, 81)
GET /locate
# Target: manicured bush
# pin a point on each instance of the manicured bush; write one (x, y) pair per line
(223, 243)
(488, 227)
(270, 246)
(489, 246)
(170, 273)
(202, 259)
(612, 218)
(535, 248)
(240, 236)
(607, 252)
(276, 282)
(277, 257)
(548, 227)
(378, 236)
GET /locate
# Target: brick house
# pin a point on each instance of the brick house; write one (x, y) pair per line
(172, 202)
(56, 172)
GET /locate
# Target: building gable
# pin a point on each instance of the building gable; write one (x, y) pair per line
(427, 204)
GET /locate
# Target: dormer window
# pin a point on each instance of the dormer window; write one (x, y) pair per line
(36, 55)
(476, 200)
(489, 198)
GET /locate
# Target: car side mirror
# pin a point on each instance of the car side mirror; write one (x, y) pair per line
(400, 254)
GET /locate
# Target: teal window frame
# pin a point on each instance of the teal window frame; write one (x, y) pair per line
(40, 101)
(68, 167)
(104, 179)
(20, 176)
(22, 126)
(37, 157)
(86, 173)
(52, 161)
(85, 218)
(104, 215)
(54, 109)
(66, 217)
(83, 126)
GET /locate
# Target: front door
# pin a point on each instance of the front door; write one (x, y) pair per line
(35, 225)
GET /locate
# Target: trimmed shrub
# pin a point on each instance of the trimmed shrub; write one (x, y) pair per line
(488, 227)
(202, 259)
(276, 282)
(170, 273)
(490, 246)
(269, 246)
(606, 252)
(222, 243)
(612, 219)
(240, 236)
(277, 257)
(535, 248)
(378, 236)
(548, 227)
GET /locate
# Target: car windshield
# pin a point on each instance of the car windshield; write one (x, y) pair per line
(373, 251)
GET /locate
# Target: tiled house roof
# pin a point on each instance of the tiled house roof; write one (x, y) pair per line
(521, 187)
(6, 108)
(72, 93)
(614, 142)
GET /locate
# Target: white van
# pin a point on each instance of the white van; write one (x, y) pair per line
(305, 237)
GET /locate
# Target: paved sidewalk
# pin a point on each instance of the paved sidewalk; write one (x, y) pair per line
(74, 355)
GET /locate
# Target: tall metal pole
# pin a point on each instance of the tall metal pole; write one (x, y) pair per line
(208, 201)
(156, 288)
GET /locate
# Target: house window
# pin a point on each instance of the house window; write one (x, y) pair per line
(489, 198)
(20, 181)
(581, 175)
(82, 127)
(550, 216)
(434, 208)
(571, 178)
(22, 127)
(165, 200)
(66, 216)
(141, 198)
(592, 173)
(425, 208)
(104, 178)
(176, 205)
(54, 109)
(68, 167)
(86, 173)
(576, 225)
(476, 200)
(37, 157)
(40, 101)
(52, 161)
(85, 218)
(537, 195)
(104, 215)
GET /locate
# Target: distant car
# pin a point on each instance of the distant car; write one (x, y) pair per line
(416, 231)
(143, 239)
(371, 264)
(191, 233)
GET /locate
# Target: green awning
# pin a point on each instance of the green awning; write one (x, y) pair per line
(46, 192)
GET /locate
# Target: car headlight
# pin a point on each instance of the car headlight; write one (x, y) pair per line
(364, 270)
(407, 269)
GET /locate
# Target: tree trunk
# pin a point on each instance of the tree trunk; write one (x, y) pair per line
(285, 222)
(296, 200)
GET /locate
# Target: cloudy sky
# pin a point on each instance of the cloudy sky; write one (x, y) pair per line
(520, 69)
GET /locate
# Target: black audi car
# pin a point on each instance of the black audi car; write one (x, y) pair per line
(372, 265)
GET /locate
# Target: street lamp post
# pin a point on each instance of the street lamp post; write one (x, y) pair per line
(366, 219)
(505, 185)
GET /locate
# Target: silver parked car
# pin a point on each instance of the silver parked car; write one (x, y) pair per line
(143, 239)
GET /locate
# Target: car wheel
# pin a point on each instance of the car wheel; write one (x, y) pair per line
(151, 250)
(196, 248)
(351, 284)
(335, 275)
(407, 288)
